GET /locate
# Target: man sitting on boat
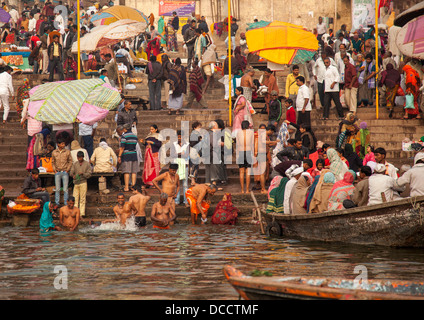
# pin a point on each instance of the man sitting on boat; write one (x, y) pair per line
(414, 176)
(382, 188)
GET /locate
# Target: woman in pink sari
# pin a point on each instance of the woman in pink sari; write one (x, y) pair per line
(241, 112)
(153, 143)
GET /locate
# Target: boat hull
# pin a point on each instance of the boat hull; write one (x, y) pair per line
(314, 288)
(396, 224)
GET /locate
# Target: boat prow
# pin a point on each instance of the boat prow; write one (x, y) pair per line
(316, 288)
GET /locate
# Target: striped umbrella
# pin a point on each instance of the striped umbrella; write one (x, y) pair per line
(88, 100)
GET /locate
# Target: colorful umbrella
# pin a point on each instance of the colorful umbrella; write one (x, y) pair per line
(115, 13)
(87, 100)
(282, 43)
(4, 16)
(103, 36)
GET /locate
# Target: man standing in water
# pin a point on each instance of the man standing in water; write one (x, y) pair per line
(199, 204)
(138, 203)
(170, 183)
(69, 215)
(163, 213)
(122, 211)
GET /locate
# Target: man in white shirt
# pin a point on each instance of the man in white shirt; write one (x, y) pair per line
(321, 28)
(380, 157)
(14, 17)
(382, 188)
(414, 177)
(338, 58)
(318, 71)
(6, 89)
(332, 92)
(32, 24)
(303, 102)
(59, 23)
(87, 132)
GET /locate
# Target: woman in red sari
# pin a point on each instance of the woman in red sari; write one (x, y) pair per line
(153, 143)
(412, 82)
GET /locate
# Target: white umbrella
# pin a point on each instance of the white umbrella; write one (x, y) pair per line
(105, 35)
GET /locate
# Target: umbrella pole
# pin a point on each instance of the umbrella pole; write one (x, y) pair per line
(79, 39)
(376, 58)
(229, 62)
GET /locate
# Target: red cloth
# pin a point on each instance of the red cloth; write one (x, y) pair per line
(151, 166)
(225, 212)
(291, 115)
(153, 48)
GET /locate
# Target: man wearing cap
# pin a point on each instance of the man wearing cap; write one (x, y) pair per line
(382, 188)
(293, 173)
(414, 176)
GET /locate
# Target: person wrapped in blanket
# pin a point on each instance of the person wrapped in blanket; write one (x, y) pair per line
(46, 220)
(225, 212)
(197, 198)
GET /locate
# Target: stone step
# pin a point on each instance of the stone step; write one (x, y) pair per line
(110, 198)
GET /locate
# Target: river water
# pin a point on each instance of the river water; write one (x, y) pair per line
(185, 262)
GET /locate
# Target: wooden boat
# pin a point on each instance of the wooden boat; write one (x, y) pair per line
(396, 224)
(315, 288)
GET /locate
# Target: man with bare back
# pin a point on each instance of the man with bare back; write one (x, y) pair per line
(163, 213)
(69, 216)
(170, 183)
(197, 197)
(138, 203)
(247, 84)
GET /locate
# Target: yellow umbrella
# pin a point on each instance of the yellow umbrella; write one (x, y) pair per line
(282, 43)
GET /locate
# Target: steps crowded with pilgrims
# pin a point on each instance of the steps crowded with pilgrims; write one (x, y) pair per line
(385, 132)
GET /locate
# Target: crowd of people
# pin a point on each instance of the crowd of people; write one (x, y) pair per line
(348, 60)
(304, 175)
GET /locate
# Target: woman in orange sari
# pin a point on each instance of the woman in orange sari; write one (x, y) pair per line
(412, 82)
(153, 143)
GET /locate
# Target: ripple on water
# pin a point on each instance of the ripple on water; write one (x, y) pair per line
(182, 263)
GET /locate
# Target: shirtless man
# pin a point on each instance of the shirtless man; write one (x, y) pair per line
(122, 210)
(247, 84)
(138, 203)
(163, 214)
(170, 183)
(69, 216)
(197, 197)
